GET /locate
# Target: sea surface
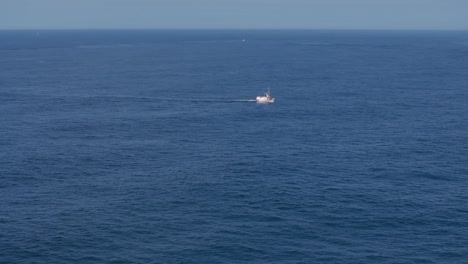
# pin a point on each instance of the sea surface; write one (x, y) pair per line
(144, 146)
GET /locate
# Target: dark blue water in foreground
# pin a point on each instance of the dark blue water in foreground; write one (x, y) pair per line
(141, 147)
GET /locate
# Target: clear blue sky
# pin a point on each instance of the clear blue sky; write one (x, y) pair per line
(255, 14)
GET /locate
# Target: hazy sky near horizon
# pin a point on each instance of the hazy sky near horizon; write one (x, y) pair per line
(245, 14)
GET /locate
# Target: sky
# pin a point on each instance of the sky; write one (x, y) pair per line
(234, 14)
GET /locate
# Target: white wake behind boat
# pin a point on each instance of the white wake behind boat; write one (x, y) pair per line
(266, 98)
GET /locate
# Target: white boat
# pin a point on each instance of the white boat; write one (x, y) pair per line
(266, 98)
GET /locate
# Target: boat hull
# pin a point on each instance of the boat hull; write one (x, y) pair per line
(265, 100)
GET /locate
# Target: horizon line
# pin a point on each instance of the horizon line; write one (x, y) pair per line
(253, 29)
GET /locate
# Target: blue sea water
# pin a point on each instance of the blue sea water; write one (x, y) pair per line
(142, 146)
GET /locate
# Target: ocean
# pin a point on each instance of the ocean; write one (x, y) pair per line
(144, 146)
